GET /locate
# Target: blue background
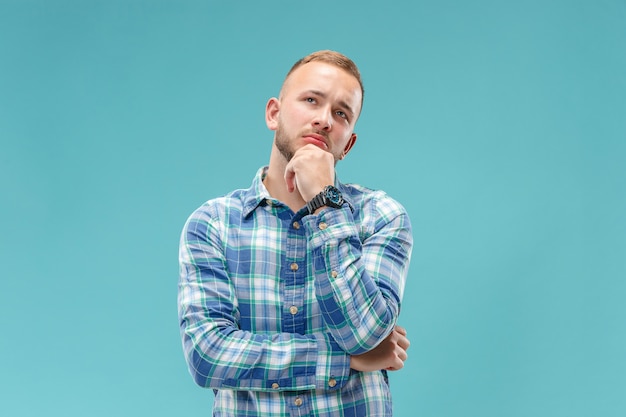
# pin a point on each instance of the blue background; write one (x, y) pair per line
(500, 125)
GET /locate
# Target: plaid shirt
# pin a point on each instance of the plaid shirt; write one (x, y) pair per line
(272, 303)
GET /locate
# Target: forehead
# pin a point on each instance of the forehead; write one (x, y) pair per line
(321, 76)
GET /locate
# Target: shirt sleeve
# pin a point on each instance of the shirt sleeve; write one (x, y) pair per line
(221, 355)
(360, 268)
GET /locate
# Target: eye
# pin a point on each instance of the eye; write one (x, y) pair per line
(341, 114)
(310, 100)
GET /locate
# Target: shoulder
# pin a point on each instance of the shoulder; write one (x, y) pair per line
(220, 214)
(217, 212)
(237, 203)
(368, 200)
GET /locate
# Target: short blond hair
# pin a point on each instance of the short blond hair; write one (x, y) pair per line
(333, 58)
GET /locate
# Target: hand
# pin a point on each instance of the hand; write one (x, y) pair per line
(390, 354)
(309, 171)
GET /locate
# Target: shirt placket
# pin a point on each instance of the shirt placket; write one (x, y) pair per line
(293, 276)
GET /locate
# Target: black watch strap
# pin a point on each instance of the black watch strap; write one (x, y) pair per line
(316, 202)
(329, 196)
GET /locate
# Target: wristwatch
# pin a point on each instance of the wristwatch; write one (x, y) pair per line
(330, 197)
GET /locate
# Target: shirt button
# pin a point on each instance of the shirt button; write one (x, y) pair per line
(294, 266)
(323, 226)
(334, 274)
(275, 385)
(298, 401)
(296, 225)
(293, 310)
(332, 382)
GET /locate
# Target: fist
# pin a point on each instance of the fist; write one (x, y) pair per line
(309, 171)
(389, 355)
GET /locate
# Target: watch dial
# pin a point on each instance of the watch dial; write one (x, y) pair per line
(333, 195)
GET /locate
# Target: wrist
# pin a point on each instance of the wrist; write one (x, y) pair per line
(311, 194)
(330, 196)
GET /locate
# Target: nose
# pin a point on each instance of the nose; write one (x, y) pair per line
(323, 119)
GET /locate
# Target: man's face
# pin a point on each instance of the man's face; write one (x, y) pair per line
(319, 104)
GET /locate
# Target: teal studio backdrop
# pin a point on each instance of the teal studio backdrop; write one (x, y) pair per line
(500, 125)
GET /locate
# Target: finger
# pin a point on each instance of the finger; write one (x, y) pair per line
(397, 365)
(290, 180)
(400, 330)
(403, 342)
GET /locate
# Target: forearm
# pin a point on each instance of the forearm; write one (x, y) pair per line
(359, 279)
(220, 354)
(228, 358)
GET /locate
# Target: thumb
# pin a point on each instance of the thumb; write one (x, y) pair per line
(290, 180)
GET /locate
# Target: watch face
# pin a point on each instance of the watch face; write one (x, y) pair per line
(334, 195)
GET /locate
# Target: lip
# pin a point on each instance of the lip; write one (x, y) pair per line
(317, 140)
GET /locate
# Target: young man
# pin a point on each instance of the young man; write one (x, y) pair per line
(290, 290)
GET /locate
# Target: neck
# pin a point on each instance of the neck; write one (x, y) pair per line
(275, 182)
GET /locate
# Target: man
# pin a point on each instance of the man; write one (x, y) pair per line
(290, 290)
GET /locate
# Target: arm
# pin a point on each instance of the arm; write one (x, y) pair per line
(360, 264)
(220, 354)
(360, 275)
(390, 354)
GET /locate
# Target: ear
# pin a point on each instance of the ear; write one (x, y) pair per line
(272, 109)
(349, 145)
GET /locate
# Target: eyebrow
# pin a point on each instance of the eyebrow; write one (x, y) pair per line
(342, 103)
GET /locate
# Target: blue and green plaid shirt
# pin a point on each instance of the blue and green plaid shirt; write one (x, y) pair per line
(272, 303)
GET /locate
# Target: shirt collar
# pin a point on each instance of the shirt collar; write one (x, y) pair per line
(257, 194)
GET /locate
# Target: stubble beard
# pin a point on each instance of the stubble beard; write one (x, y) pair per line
(284, 144)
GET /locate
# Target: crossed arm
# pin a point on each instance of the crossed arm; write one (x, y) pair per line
(358, 286)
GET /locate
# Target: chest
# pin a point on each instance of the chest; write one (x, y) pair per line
(270, 268)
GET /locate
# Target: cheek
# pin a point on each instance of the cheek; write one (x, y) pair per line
(299, 115)
(290, 117)
(342, 132)
(340, 143)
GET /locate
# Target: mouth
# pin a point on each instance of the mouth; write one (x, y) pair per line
(317, 140)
